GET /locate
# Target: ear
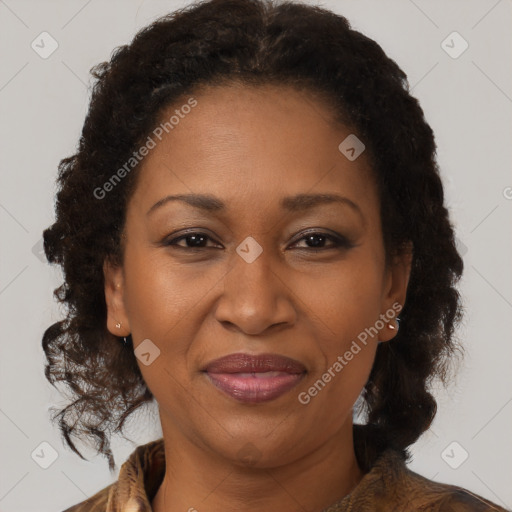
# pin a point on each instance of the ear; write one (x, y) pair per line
(114, 298)
(395, 289)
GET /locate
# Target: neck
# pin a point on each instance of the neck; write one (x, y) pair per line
(197, 480)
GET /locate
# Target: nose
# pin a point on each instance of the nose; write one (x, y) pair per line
(256, 296)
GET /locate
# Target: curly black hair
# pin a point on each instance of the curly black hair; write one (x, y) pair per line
(251, 42)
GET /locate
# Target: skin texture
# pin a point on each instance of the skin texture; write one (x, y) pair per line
(250, 147)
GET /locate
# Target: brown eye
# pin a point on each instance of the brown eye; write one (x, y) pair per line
(316, 241)
(193, 240)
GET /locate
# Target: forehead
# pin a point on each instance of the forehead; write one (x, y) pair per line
(252, 143)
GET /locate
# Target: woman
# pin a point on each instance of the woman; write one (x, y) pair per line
(254, 201)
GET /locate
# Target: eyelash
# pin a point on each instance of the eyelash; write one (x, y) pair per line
(338, 242)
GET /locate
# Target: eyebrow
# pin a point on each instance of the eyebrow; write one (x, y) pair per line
(297, 203)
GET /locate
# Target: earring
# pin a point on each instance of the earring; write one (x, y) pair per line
(391, 326)
(127, 340)
(118, 325)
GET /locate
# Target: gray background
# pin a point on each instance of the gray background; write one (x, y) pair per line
(467, 101)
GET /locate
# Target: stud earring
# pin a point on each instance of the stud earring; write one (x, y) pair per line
(392, 327)
(118, 325)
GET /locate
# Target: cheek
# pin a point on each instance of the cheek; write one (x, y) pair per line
(160, 294)
(344, 302)
(348, 352)
(333, 393)
(345, 308)
(159, 302)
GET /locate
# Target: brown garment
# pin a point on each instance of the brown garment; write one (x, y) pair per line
(389, 486)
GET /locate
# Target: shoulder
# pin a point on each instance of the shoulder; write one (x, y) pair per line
(417, 493)
(137, 482)
(450, 498)
(96, 503)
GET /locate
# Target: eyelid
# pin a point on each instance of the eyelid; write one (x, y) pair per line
(338, 240)
(171, 239)
(321, 231)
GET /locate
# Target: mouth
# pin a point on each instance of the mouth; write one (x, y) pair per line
(255, 378)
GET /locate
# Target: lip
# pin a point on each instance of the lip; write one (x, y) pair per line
(254, 378)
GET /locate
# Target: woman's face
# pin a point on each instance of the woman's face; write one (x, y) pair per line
(258, 274)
